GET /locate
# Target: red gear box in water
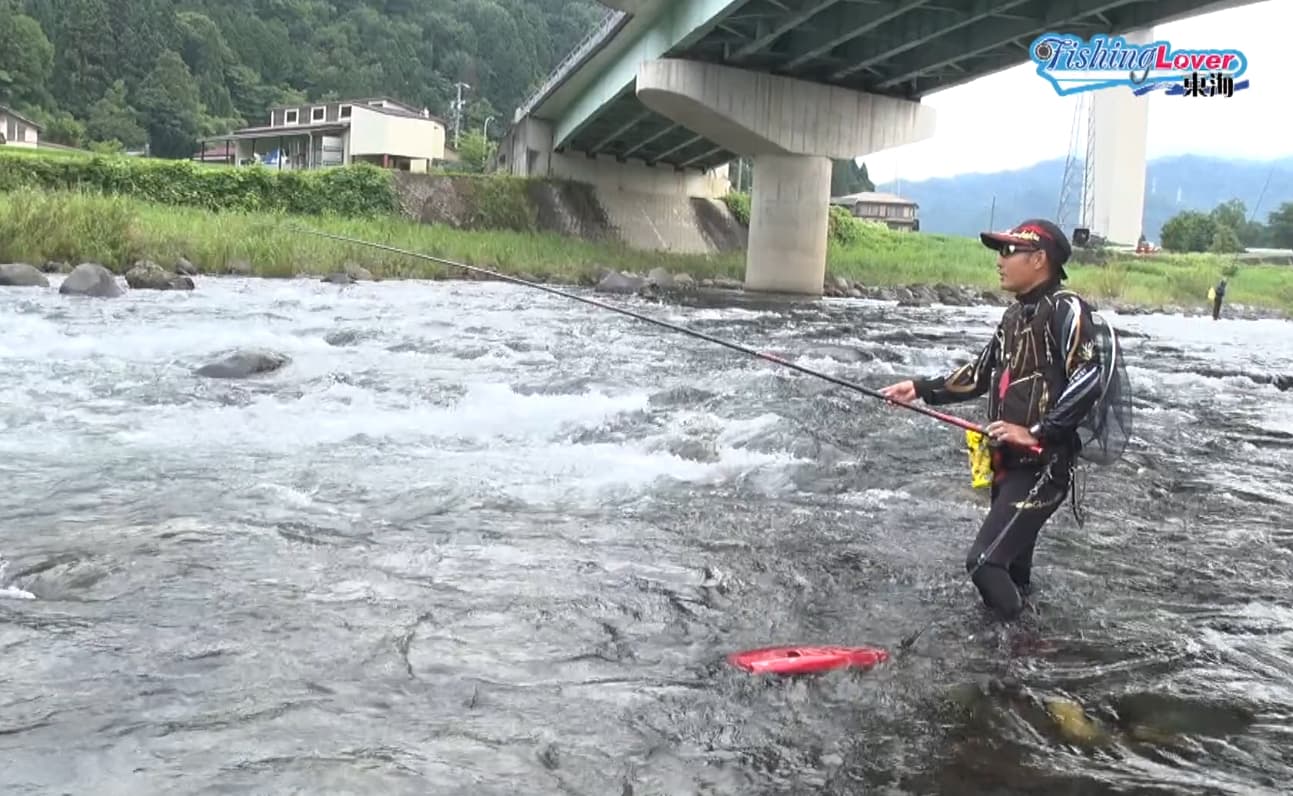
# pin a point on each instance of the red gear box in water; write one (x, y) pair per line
(806, 660)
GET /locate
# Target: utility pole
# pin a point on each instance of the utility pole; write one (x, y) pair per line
(458, 106)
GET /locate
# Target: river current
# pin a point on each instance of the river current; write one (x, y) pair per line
(479, 539)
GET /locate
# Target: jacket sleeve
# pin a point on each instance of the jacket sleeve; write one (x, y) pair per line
(1074, 333)
(966, 383)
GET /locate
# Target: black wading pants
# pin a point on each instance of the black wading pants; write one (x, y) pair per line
(1000, 561)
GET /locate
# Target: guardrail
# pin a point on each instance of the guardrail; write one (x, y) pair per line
(590, 42)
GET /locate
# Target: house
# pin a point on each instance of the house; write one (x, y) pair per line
(890, 209)
(18, 130)
(376, 130)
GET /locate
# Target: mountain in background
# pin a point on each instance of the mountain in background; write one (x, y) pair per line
(963, 205)
(126, 73)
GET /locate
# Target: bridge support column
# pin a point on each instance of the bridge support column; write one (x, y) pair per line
(789, 220)
(792, 128)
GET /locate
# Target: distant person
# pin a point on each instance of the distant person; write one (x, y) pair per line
(1041, 374)
(1217, 294)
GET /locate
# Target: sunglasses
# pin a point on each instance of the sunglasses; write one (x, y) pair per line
(1011, 249)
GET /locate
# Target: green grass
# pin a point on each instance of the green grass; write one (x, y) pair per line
(36, 226)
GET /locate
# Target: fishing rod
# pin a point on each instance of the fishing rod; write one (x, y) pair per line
(940, 416)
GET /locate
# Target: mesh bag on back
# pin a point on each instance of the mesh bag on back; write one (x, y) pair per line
(1106, 429)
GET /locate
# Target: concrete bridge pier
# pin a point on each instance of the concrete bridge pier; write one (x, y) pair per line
(792, 129)
(789, 224)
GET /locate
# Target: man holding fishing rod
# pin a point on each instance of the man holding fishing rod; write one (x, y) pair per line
(1041, 373)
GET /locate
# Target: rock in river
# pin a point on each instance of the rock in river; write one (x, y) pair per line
(148, 275)
(91, 279)
(241, 364)
(21, 275)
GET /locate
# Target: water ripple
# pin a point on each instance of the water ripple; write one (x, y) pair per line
(475, 538)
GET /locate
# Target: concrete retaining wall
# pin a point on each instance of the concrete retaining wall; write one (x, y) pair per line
(645, 220)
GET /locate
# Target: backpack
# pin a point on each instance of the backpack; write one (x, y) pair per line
(1106, 429)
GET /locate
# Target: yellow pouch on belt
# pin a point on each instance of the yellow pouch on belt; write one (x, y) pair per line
(980, 459)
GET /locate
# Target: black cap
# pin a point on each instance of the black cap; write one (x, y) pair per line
(1038, 233)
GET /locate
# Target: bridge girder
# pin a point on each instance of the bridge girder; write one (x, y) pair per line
(901, 48)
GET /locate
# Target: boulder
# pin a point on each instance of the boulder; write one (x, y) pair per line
(146, 275)
(357, 273)
(241, 364)
(21, 275)
(615, 282)
(185, 268)
(93, 280)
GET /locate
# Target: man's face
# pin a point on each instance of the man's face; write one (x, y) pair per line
(1020, 267)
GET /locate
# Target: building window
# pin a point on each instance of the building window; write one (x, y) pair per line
(316, 114)
(345, 111)
(291, 117)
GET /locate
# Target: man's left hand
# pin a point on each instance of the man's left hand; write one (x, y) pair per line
(1011, 434)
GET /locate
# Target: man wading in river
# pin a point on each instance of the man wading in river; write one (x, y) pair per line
(1041, 373)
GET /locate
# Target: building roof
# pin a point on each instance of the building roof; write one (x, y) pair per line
(282, 130)
(11, 112)
(872, 196)
(401, 109)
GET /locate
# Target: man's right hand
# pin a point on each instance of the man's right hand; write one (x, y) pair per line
(902, 392)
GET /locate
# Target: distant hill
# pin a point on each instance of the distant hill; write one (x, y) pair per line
(962, 205)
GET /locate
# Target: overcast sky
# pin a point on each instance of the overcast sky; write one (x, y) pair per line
(973, 135)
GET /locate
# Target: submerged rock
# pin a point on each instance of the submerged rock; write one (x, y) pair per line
(21, 275)
(241, 364)
(91, 279)
(148, 275)
(615, 282)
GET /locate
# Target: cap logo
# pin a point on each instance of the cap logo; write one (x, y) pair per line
(1027, 233)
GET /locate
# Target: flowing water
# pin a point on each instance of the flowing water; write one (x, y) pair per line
(480, 539)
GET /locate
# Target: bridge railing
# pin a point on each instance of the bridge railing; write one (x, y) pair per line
(592, 41)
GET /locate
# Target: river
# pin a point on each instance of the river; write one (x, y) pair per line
(480, 539)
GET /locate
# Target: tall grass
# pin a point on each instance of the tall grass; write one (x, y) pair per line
(36, 226)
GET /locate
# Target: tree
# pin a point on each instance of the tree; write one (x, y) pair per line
(475, 151)
(1224, 240)
(1189, 231)
(26, 58)
(61, 58)
(170, 108)
(1280, 226)
(113, 119)
(847, 177)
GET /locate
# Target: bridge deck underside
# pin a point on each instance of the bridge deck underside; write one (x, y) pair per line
(901, 48)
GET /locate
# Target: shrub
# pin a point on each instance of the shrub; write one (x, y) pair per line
(355, 190)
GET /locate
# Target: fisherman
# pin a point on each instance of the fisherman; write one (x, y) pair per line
(1218, 295)
(1041, 373)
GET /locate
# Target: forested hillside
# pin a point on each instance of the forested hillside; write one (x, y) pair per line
(166, 72)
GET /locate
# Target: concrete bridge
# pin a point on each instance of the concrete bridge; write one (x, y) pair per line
(665, 93)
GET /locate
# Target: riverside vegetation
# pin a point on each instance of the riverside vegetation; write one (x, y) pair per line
(116, 211)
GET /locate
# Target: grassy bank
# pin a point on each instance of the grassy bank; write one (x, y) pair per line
(37, 225)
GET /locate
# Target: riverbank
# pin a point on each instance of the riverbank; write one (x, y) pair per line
(41, 227)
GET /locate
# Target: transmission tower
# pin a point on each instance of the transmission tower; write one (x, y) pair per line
(1088, 181)
(1073, 181)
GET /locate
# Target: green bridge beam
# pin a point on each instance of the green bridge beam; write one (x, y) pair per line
(679, 24)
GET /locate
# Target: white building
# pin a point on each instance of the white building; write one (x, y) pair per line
(375, 130)
(18, 130)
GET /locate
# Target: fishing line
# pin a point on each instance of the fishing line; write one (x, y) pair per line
(939, 416)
